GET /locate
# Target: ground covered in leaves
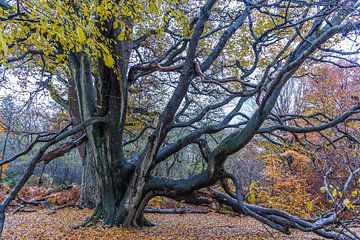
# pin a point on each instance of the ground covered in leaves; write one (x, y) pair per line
(45, 224)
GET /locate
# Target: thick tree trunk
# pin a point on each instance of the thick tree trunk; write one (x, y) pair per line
(88, 194)
(120, 192)
(121, 195)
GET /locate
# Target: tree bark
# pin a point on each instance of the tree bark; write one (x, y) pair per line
(121, 194)
(174, 211)
(2, 218)
(88, 194)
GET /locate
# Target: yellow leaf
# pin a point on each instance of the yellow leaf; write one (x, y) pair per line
(354, 193)
(121, 36)
(108, 60)
(348, 204)
(59, 10)
(3, 44)
(81, 35)
(309, 206)
(116, 24)
(52, 200)
(4, 167)
(334, 193)
(251, 199)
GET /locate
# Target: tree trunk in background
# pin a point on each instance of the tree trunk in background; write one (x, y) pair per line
(2, 219)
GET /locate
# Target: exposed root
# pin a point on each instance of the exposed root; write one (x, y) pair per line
(93, 219)
(146, 223)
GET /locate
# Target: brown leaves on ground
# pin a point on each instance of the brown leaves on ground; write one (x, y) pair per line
(56, 196)
(66, 196)
(41, 225)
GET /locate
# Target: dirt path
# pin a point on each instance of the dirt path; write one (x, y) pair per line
(42, 225)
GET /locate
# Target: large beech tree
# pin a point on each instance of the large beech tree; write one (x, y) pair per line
(154, 75)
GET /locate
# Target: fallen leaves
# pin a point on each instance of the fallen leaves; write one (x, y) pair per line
(38, 193)
(40, 225)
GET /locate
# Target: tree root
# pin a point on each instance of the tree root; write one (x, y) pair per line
(98, 214)
(143, 222)
(147, 223)
(93, 219)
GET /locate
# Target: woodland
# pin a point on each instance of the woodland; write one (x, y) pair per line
(182, 119)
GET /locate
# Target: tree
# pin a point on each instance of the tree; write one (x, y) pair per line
(199, 58)
(9, 108)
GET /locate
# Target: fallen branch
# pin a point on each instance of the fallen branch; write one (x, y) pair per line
(284, 219)
(68, 205)
(43, 203)
(174, 211)
(23, 209)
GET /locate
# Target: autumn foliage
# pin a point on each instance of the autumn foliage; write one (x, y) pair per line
(54, 196)
(296, 170)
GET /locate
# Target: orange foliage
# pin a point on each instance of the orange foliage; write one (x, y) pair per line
(333, 90)
(53, 196)
(295, 172)
(287, 189)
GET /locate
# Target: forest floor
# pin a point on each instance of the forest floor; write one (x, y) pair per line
(45, 224)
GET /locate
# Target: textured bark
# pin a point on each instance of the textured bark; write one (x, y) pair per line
(2, 218)
(174, 211)
(88, 194)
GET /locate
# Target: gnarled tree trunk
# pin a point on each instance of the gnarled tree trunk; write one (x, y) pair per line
(120, 194)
